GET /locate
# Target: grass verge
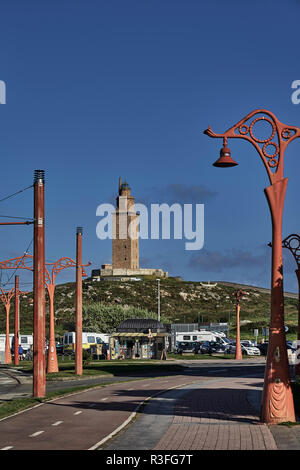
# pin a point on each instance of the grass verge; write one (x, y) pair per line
(105, 368)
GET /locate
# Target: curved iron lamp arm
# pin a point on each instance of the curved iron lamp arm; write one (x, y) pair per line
(284, 134)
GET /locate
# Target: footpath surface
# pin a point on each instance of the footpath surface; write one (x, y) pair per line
(214, 413)
(218, 416)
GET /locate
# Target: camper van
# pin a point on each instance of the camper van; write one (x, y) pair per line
(200, 335)
(26, 341)
(88, 340)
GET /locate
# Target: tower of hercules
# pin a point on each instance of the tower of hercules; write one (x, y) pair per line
(125, 244)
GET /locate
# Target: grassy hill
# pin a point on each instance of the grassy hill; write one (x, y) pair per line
(181, 301)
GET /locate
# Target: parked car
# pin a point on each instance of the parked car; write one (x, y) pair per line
(248, 350)
(196, 346)
(248, 342)
(178, 347)
(231, 347)
(263, 347)
(210, 347)
(290, 346)
(205, 347)
(186, 348)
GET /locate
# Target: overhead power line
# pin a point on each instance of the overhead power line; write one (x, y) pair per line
(12, 275)
(14, 217)
(14, 194)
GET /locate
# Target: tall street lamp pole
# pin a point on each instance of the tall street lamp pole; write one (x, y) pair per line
(39, 372)
(158, 299)
(238, 349)
(78, 340)
(292, 243)
(277, 399)
(17, 321)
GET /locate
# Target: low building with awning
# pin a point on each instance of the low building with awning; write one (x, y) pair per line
(139, 338)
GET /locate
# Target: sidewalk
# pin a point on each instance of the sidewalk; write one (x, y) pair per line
(218, 414)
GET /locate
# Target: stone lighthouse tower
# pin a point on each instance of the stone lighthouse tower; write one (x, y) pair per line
(125, 245)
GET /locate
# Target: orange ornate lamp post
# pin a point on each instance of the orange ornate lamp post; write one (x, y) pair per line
(21, 262)
(6, 297)
(16, 263)
(277, 400)
(292, 243)
(62, 263)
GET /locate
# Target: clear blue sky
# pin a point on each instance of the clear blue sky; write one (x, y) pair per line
(100, 89)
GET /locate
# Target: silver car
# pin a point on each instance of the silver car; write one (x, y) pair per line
(249, 350)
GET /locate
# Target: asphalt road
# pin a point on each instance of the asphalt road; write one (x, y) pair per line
(87, 420)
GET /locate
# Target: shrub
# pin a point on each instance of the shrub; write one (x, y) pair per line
(86, 357)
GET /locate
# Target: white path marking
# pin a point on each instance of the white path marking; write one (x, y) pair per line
(7, 448)
(103, 399)
(77, 412)
(57, 423)
(36, 433)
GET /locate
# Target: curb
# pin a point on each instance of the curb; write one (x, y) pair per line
(86, 377)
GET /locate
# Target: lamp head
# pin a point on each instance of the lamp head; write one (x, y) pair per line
(225, 159)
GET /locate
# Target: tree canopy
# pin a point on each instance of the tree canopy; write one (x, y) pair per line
(98, 316)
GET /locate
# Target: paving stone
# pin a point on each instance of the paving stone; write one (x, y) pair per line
(224, 417)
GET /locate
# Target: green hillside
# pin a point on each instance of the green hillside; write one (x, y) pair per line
(181, 301)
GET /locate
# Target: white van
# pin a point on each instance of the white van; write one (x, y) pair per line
(26, 341)
(88, 339)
